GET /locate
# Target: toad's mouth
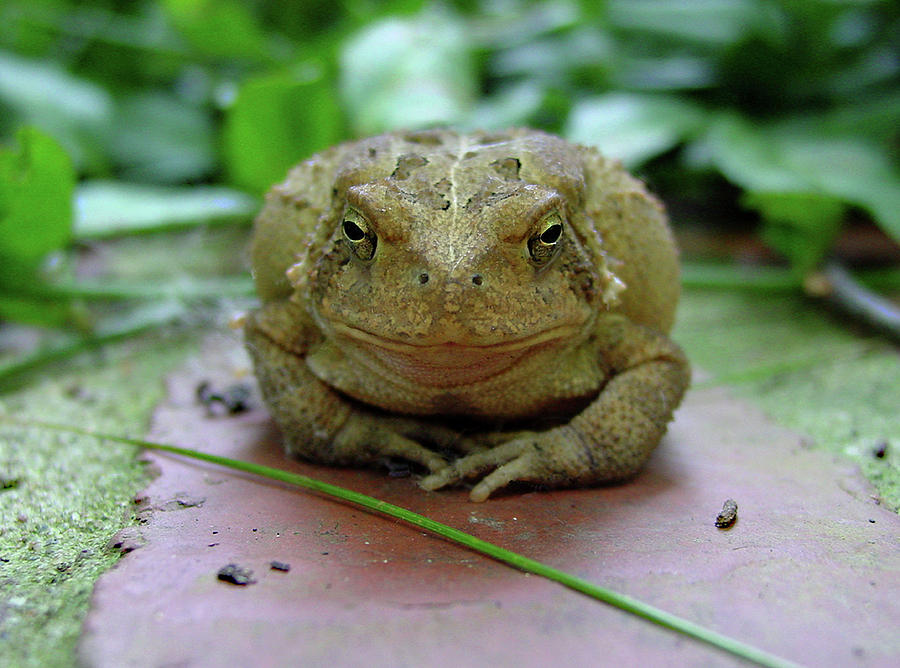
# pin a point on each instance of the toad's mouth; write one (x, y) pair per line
(450, 363)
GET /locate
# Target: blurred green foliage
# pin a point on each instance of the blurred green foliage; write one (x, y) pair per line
(36, 185)
(788, 108)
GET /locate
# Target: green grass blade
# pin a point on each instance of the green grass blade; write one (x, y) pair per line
(117, 328)
(620, 601)
(188, 288)
(717, 276)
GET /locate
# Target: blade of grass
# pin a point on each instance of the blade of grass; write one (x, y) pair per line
(763, 372)
(99, 25)
(615, 599)
(187, 288)
(706, 275)
(132, 324)
(108, 209)
(767, 279)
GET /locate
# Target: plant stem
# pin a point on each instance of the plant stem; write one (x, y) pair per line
(733, 277)
(189, 288)
(116, 329)
(847, 294)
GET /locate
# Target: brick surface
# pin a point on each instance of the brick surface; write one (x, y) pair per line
(810, 571)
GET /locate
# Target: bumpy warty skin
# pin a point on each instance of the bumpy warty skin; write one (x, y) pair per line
(503, 296)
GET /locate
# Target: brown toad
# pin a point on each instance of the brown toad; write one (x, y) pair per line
(502, 296)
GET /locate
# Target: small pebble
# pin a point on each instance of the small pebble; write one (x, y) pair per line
(9, 481)
(280, 566)
(232, 400)
(236, 575)
(728, 516)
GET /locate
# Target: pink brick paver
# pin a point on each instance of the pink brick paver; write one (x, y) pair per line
(811, 570)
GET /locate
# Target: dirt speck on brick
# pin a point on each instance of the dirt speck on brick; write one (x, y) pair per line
(127, 540)
(231, 400)
(236, 575)
(728, 515)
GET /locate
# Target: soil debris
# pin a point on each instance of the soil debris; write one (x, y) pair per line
(728, 516)
(230, 401)
(236, 575)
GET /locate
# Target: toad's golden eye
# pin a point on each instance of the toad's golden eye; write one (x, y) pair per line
(358, 235)
(545, 244)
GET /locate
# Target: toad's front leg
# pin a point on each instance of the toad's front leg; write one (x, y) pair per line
(609, 440)
(317, 423)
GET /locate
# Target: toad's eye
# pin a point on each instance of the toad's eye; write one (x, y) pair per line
(545, 243)
(358, 235)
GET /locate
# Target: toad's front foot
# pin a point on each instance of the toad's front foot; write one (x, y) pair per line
(532, 457)
(565, 456)
(364, 440)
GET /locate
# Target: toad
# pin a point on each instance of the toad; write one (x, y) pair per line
(493, 307)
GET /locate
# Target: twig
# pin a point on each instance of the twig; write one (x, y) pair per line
(840, 289)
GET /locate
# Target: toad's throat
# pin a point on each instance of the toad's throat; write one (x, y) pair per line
(449, 363)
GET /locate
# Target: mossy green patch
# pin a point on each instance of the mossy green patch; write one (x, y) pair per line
(63, 496)
(838, 387)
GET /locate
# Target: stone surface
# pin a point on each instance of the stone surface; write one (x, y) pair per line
(810, 570)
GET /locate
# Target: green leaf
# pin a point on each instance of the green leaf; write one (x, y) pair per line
(408, 73)
(746, 156)
(501, 26)
(107, 208)
(713, 22)
(798, 158)
(850, 169)
(633, 127)
(668, 73)
(553, 59)
(276, 121)
(157, 137)
(873, 118)
(36, 185)
(515, 105)
(219, 28)
(801, 226)
(73, 110)
(31, 311)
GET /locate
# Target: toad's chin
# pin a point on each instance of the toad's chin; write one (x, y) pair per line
(446, 364)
